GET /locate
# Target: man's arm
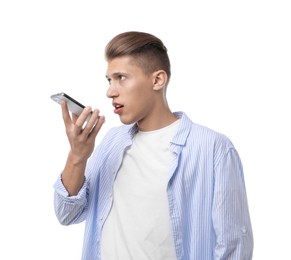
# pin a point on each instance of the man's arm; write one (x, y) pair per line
(231, 220)
(70, 188)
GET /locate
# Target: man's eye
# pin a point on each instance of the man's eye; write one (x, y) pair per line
(121, 77)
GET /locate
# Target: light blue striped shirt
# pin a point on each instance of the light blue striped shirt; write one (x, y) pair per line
(206, 193)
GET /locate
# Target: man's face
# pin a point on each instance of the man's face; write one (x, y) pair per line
(130, 89)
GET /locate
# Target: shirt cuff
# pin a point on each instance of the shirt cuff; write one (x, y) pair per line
(62, 191)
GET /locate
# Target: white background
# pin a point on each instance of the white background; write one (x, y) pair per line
(231, 65)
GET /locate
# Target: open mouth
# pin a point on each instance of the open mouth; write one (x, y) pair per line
(118, 108)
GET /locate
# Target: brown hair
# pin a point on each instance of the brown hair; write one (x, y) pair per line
(148, 51)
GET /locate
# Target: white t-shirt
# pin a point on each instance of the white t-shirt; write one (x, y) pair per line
(138, 226)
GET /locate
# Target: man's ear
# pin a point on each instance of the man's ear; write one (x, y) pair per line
(160, 79)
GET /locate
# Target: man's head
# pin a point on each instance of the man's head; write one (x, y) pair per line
(146, 50)
(138, 73)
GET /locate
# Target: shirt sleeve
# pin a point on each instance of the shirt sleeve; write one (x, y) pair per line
(231, 220)
(69, 209)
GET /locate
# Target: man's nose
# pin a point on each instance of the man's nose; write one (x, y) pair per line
(112, 91)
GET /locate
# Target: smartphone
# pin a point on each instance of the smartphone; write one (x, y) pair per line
(73, 105)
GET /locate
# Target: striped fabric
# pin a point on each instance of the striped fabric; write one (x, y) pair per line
(206, 193)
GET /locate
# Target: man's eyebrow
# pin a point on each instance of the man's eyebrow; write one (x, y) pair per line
(115, 74)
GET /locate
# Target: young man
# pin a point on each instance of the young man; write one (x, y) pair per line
(158, 187)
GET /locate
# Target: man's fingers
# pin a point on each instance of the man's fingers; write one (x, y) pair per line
(65, 112)
(95, 130)
(80, 124)
(94, 118)
(83, 116)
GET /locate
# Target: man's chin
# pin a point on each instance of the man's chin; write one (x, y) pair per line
(126, 121)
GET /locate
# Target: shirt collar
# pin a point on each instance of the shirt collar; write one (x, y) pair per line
(182, 133)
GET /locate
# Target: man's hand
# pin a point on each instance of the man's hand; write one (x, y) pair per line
(81, 135)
